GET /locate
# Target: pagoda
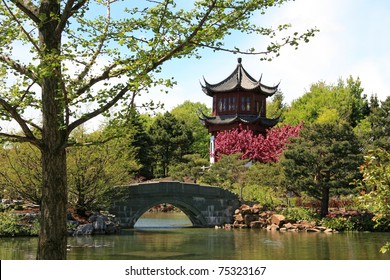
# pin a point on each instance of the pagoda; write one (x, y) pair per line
(238, 99)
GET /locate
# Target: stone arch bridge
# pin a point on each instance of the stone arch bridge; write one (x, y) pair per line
(205, 206)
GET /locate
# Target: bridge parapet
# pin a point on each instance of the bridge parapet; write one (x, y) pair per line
(205, 206)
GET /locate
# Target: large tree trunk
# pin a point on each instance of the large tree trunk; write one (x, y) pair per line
(53, 234)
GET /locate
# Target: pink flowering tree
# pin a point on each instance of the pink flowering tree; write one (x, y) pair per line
(255, 147)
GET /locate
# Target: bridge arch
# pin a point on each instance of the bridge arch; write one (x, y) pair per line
(205, 206)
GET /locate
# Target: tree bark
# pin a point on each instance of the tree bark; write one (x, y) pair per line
(324, 201)
(53, 232)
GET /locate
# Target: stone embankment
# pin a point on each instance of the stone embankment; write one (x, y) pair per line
(256, 217)
(94, 223)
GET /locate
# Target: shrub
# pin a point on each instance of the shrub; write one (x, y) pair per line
(8, 224)
(12, 225)
(299, 213)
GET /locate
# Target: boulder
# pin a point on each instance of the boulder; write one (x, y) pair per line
(238, 218)
(288, 225)
(277, 219)
(99, 225)
(86, 229)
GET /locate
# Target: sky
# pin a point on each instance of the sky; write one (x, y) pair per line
(353, 41)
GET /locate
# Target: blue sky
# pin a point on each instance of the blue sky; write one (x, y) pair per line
(353, 40)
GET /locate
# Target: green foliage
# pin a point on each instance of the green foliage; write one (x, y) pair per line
(9, 224)
(299, 214)
(264, 195)
(322, 161)
(131, 131)
(276, 107)
(187, 113)
(375, 186)
(12, 225)
(380, 125)
(228, 172)
(361, 222)
(325, 103)
(171, 140)
(339, 223)
(262, 184)
(93, 172)
(20, 173)
(192, 169)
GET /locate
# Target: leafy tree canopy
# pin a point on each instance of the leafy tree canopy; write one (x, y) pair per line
(187, 112)
(326, 103)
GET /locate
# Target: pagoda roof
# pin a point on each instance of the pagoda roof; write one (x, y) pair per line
(229, 119)
(239, 80)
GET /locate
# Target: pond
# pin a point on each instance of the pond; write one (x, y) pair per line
(169, 236)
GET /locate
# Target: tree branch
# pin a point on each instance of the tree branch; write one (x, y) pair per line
(187, 40)
(68, 11)
(28, 8)
(22, 123)
(98, 111)
(19, 23)
(20, 139)
(103, 38)
(21, 69)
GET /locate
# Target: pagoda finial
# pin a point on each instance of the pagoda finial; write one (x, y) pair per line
(239, 60)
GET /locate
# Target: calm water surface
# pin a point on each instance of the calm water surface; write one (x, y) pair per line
(169, 236)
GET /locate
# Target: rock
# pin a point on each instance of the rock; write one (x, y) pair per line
(256, 208)
(283, 229)
(273, 227)
(86, 229)
(288, 225)
(320, 228)
(248, 219)
(244, 207)
(99, 224)
(237, 211)
(277, 219)
(312, 230)
(255, 224)
(238, 218)
(228, 226)
(263, 214)
(306, 224)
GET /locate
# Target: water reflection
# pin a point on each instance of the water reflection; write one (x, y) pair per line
(196, 244)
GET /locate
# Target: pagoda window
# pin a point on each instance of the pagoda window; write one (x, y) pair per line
(242, 103)
(248, 104)
(234, 105)
(224, 104)
(220, 105)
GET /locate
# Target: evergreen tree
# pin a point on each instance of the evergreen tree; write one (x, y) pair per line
(187, 112)
(379, 120)
(171, 140)
(324, 160)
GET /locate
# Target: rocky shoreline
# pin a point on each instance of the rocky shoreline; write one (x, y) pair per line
(257, 217)
(27, 215)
